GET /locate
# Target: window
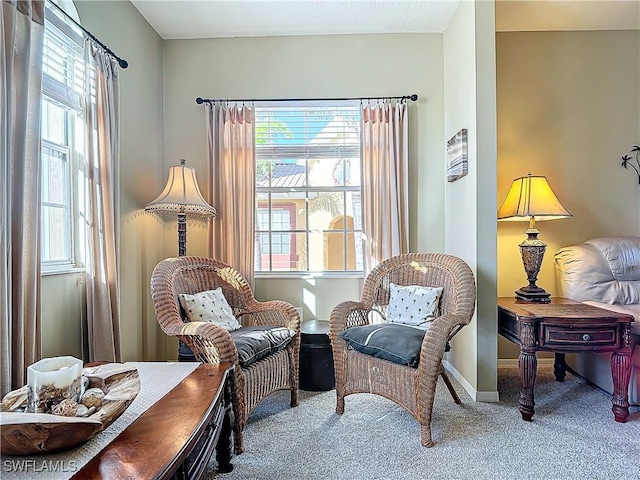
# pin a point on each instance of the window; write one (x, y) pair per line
(62, 131)
(308, 189)
(276, 248)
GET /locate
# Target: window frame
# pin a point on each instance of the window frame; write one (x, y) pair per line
(64, 96)
(290, 209)
(263, 202)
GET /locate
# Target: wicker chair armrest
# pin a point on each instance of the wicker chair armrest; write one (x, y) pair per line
(346, 315)
(273, 312)
(349, 314)
(435, 341)
(209, 342)
(343, 316)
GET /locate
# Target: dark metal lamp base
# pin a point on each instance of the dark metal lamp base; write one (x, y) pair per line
(538, 296)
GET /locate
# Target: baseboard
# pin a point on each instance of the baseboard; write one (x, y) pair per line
(479, 396)
(476, 395)
(513, 362)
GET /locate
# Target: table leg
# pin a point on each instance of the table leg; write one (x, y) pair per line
(223, 447)
(560, 367)
(621, 374)
(527, 364)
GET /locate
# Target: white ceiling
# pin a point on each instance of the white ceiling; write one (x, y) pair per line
(184, 19)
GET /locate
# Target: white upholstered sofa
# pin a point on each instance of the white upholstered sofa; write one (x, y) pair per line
(604, 272)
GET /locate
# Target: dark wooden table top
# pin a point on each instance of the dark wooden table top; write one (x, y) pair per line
(560, 308)
(152, 446)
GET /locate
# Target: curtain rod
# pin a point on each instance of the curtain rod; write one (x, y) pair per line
(201, 100)
(121, 61)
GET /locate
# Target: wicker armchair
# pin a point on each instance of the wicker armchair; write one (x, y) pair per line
(411, 388)
(213, 344)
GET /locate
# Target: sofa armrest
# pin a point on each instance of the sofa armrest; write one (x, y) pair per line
(603, 269)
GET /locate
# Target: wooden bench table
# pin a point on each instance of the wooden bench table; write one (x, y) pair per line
(175, 437)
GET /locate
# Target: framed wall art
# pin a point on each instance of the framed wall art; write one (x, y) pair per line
(457, 156)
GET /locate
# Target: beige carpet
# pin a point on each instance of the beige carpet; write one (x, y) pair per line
(573, 436)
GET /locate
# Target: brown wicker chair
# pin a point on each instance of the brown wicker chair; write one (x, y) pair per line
(212, 344)
(411, 388)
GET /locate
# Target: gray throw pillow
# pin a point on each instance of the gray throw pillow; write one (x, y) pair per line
(389, 341)
(256, 343)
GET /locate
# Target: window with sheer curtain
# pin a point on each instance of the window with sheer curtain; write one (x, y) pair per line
(308, 189)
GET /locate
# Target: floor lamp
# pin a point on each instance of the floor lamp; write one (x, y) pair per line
(531, 198)
(181, 196)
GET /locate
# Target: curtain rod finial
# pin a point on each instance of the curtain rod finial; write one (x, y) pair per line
(199, 101)
(123, 63)
(414, 97)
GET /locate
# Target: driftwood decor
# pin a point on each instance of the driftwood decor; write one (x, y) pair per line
(23, 433)
(627, 160)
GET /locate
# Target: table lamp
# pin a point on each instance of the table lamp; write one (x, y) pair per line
(531, 198)
(181, 196)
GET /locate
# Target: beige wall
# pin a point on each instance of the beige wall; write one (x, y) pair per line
(568, 108)
(310, 67)
(316, 296)
(160, 120)
(469, 223)
(63, 314)
(124, 30)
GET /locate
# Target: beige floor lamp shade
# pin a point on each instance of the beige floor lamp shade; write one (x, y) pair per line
(181, 197)
(531, 198)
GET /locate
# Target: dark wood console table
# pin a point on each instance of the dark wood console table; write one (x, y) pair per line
(565, 326)
(176, 436)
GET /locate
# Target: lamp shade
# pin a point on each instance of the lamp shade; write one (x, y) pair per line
(531, 196)
(181, 195)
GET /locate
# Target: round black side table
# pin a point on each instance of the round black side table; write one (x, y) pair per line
(316, 356)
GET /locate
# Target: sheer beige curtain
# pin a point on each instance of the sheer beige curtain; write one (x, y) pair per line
(384, 179)
(102, 205)
(21, 41)
(231, 138)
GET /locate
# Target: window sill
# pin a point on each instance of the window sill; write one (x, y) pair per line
(308, 275)
(60, 271)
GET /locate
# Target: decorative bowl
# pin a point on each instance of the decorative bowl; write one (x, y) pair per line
(23, 433)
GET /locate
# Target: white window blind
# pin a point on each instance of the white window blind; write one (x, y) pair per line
(63, 61)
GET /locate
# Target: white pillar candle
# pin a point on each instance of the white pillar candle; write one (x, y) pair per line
(52, 380)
